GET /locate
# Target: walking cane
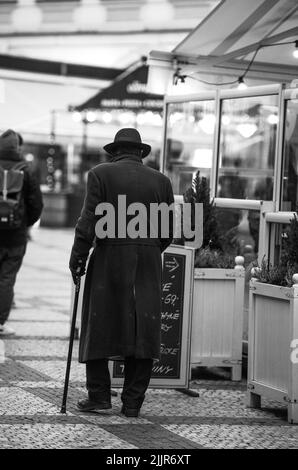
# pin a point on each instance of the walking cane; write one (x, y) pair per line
(71, 339)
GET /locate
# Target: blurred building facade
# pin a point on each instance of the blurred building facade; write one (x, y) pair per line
(55, 56)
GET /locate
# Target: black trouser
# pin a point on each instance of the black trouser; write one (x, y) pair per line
(137, 373)
(10, 262)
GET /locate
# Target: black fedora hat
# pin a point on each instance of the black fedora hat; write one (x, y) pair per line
(130, 136)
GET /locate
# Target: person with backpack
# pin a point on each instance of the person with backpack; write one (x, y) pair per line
(20, 207)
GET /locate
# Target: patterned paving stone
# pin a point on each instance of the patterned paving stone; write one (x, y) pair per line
(39, 348)
(37, 315)
(115, 418)
(15, 371)
(32, 379)
(56, 369)
(41, 384)
(223, 404)
(40, 329)
(22, 403)
(53, 395)
(214, 420)
(223, 436)
(141, 437)
(60, 418)
(68, 436)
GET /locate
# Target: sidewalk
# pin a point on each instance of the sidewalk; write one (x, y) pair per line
(31, 382)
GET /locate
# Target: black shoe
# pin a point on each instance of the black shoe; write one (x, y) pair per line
(130, 412)
(90, 405)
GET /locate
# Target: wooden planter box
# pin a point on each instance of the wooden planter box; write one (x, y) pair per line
(273, 325)
(217, 321)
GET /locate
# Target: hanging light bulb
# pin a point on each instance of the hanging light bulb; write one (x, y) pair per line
(272, 119)
(241, 84)
(157, 13)
(107, 117)
(26, 16)
(295, 52)
(91, 116)
(76, 116)
(247, 129)
(226, 120)
(126, 117)
(89, 15)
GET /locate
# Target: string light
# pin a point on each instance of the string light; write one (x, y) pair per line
(240, 80)
(241, 83)
(76, 116)
(178, 77)
(91, 116)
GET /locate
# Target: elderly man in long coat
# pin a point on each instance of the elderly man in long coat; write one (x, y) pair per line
(121, 317)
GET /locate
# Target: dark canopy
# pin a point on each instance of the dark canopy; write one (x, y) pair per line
(127, 92)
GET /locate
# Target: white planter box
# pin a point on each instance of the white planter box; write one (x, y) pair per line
(217, 321)
(273, 325)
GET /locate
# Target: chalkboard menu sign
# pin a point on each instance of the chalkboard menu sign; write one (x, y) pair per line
(177, 286)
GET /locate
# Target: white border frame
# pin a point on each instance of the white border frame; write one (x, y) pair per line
(183, 380)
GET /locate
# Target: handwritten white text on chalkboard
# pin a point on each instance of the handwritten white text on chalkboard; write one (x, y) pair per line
(171, 299)
(164, 370)
(168, 351)
(165, 327)
(170, 316)
(167, 286)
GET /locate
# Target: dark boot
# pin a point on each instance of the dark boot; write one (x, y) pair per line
(89, 405)
(130, 412)
(137, 373)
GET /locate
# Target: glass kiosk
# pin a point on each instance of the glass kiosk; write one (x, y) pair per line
(245, 142)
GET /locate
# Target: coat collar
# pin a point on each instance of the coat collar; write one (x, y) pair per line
(128, 158)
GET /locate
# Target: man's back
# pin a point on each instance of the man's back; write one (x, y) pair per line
(125, 179)
(128, 176)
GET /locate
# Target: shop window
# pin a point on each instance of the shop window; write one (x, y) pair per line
(248, 130)
(290, 168)
(189, 143)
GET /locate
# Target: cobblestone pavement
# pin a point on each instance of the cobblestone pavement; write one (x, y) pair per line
(31, 382)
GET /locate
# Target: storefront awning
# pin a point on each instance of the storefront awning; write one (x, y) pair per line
(127, 92)
(227, 39)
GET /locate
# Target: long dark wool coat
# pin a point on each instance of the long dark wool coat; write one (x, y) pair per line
(122, 298)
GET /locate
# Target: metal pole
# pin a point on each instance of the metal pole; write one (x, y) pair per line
(53, 126)
(85, 135)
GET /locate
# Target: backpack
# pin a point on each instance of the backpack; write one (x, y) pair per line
(12, 207)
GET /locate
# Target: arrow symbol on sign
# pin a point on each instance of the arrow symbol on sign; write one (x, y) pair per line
(174, 265)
